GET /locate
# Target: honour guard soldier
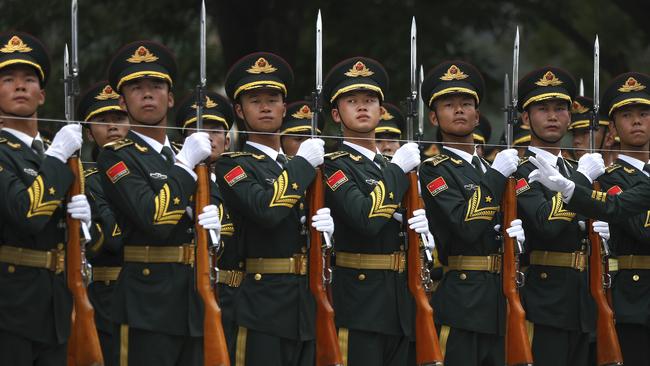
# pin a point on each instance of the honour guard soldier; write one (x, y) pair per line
(556, 295)
(581, 114)
(106, 122)
(35, 304)
(389, 129)
(218, 117)
(462, 193)
(296, 126)
(156, 311)
(264, 192)
(374, 310)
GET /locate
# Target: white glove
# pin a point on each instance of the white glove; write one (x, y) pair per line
(582, 225)
(323, 222)
(398, 217)
(419, 222)
(431, 242)
(407, 157)
(591, 166)
(602, 228)
(210, 219)
(78, 208)
(506, 162)
(516, 231)
(312, 150)
(197, 147)
(551, 178)
(66, 142)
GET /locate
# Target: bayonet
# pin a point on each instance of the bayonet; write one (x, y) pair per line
(512, 119)
(581, 89)
(316, 95)
(420, 102)
(412, 99)
(594, 120)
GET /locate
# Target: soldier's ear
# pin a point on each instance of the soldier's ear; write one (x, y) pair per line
(170, 100)
(239, 111)
(478, 118)
(41, 97)
(525, 117)
(284, 109)
(122, 102)
(433, 118)
(336, 116)
(89, 134)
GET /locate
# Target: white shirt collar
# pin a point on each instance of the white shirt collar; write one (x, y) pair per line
(547, 156)
(463, 154)
(25, 138)
(157, 146)
(266, 150)
(639, 164)
(363, 151)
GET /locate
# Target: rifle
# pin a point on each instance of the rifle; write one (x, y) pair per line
(608, 350)
(215, 350)
(427, 347)
(320, 275)
(83, 345)
(517, 344)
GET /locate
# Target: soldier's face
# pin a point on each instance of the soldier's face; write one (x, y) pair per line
(632, 125)
(146, 100)
(20, 91)
(548, 119)
(387, 144)
(290, 143)
(219, 139)
(359, 111)
(580, 140)
(456, 114)
(263, 110)
(108, 127)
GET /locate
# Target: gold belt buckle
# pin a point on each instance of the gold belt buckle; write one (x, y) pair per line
(579, 261)
(188, 254)
(56, 260)
(494, 263)
(299, 264)
(398, 261)
(235, 278)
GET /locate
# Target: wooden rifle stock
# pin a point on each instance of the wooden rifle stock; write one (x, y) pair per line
(608, 350)
(327, 345)
(517, 344)
(83, 346)
(215, 349)
(427, 347)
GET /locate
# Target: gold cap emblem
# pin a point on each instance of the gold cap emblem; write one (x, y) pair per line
(359, 69)
(454, 73)
(107, 93)
(209, 103)
(631, 84)
(576, 107)
(303, 113)
(549, 79)
(261, 66)
(15, 44)
(142, 54)
(385, 115)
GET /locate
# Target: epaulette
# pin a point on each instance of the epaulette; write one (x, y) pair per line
(236, 154)
(612, 167)
(523, 160)
(3, 140)
(118, 144)
(387, 157)
(177, 146)
(89, 172)
(629, 170)
(437, 159)
(335, 155)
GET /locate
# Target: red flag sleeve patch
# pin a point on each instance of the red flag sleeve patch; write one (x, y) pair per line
(235, 175)
(117, 172)
(522, 186)
(614, 191)
(336, 180)
(437, 185)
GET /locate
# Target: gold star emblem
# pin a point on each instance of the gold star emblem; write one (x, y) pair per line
(52, 191)
(488, 199)
(294, 186)
(391, 195)
(177, 201)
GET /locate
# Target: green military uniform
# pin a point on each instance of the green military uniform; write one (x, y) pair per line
(274, 309)
(556, 295)
(35, 304)
(461, 201)
(218, 110)
(374, 310)
(104, 251)
(156, 308)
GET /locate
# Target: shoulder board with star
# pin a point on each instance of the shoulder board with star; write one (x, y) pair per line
(437, 159)
(523, 160)
(610, 169)
(89, 172)
(237, 154)
(629, 170)
(118, 144)
(335, 155)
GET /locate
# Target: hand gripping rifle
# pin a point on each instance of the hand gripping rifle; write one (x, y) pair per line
(320, 274)
(608, 350)
(427, 347)
(215, 350)
(517, 344)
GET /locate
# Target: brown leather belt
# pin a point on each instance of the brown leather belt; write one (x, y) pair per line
(154, 254)
(53, 260)
(294, 265)
(634, 262)
(391, 262)
(575, 260)
(105, 274)
(489, 263)
(230, 278)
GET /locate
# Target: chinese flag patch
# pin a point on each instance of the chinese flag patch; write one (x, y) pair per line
(235, 175)
(117, 172)
(522, 186)
(437, 185)
(615, 190)
(336, 180)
